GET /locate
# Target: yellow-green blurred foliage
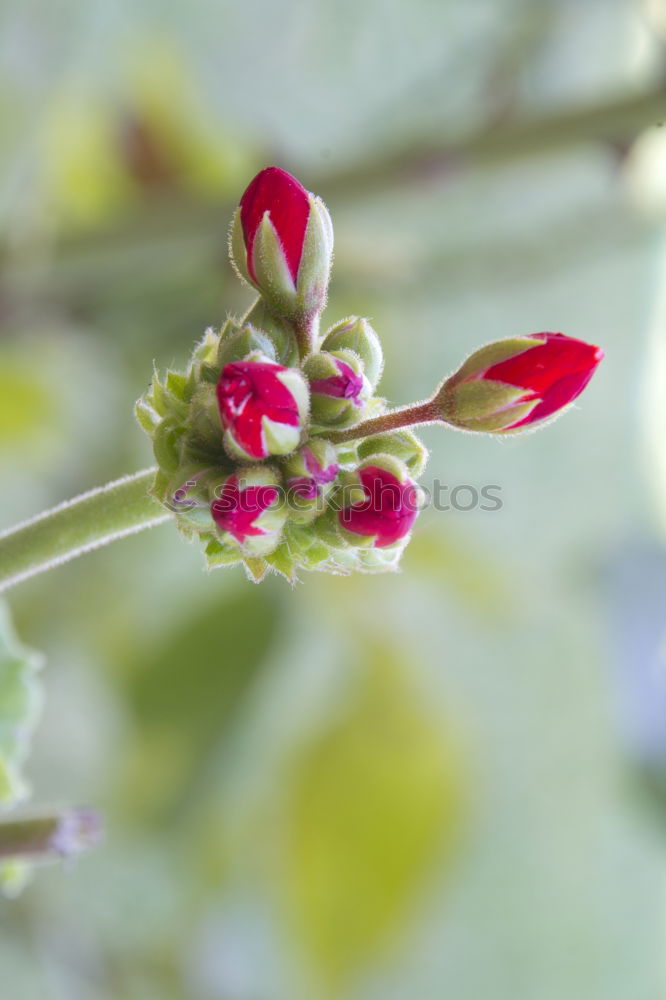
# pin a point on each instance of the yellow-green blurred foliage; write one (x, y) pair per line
(373, 803)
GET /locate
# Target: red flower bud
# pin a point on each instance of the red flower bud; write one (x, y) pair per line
(554, 372)
(388, 510)
(237, 509)
(281, 242)
(286, 201)
(513, 384)
(262, 407)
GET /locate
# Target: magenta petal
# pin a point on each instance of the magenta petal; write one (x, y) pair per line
(236, 510)
(303, 487)
(541, 367)
(248, 391)
(346, 385)
(559, 396)
(318, 473)
(388, 511)
(287, 202)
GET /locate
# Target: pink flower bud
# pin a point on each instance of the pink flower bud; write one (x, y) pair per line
(513, 384)
(263, 407)
(339, 388)
(315, 470)
(388, 511)
(239, 507)
(310, 474)
(347, 384)
(286, 201)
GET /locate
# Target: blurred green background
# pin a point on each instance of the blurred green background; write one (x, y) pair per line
(443, 783)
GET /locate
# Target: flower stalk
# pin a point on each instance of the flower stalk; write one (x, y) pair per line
(406, 416)
(87, 522)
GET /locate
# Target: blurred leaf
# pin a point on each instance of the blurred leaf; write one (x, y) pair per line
(470, 575)
(105, 152)
(373, 805)
(188, 690)
(20, 703)
(25, 403)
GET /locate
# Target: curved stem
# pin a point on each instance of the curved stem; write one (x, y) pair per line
(407, 416)
(620, 118)
(87, 522)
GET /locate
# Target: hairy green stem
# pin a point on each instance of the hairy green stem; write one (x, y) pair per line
(407, 416)
(87, 522)
(62, 834)
(305, 330)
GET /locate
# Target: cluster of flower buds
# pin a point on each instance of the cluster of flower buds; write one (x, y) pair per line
(273, 447)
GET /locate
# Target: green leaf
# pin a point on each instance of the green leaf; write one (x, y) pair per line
(374, 804)
(187, 691)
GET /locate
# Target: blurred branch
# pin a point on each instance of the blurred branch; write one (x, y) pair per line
(87, 522)
(166, 229)
(61, 835)
(615, 121)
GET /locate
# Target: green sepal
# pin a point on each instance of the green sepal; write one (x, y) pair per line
(162, 400)
(402, 444)
(492, 354)
(347, 454)
(279, 332)
(160, 485)
(147, 417)
(283, 563)
(274, 278)
(180, 386)
(205, 350)
(325, 528)
(306, 547)
(239, 341)
(391, 463)
(167, 441)
(315, 268)
(217, 554)
(237, 251)
(204, 427)
(382, 560)
(484, 405)
(255, 568)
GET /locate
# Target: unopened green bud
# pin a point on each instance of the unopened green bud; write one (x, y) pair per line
(338, 387)
(402, 444)
(310, 475)
(356, 334)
